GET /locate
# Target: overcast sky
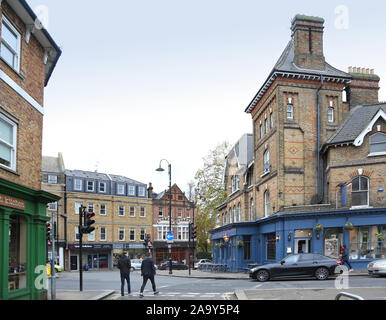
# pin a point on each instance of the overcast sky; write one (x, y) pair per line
(140, 81)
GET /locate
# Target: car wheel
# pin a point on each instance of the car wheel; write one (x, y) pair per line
(262, 275)
(321, 273)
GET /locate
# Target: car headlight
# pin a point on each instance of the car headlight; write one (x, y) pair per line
(253, 270)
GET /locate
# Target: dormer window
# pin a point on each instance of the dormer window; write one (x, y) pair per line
(10, 44)
(378, 143)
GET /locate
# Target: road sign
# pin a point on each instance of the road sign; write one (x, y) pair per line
(170, 236)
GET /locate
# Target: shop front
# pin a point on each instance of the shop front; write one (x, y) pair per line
(179, 251)
(94, 256)
(273, 238)
(23, 242)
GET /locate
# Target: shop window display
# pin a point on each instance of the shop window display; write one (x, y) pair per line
(17, 277)
(333, 239)
(368, 242)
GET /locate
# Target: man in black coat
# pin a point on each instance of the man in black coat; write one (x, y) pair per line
(345, 257)
(148, 272)
(124, 265)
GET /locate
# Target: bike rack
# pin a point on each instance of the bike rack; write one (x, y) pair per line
(349, 295)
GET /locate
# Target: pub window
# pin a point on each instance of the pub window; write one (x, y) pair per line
(8, 138)
(247, 247)
(17, 277)
(360, 191)
(270, 246)
(368, 242)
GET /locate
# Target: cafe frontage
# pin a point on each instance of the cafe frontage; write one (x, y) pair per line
(23, 241)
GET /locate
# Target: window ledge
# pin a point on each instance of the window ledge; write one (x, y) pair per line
(9, 170)
(361, 207)
(265, 173)
(13, 69)
(375, 154)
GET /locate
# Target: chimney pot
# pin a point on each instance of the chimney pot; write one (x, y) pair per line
(363, 70)
(367, 71)
(350, 69)
(372, 71)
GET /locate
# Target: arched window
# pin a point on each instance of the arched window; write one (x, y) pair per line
(378, 143)
(331, 114)
(266, 164)
(360, 191)
(252, 209)
(267, 204)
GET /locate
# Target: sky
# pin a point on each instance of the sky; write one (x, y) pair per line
(141, 81)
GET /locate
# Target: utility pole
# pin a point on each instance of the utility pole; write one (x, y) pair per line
(80, 248)
(53, 258)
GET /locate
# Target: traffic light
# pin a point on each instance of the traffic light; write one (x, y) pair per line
(193, 231)
(88, 222)
(48, 232)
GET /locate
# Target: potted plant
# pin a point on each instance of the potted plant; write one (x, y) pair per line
(240, 244)
(318, 228)
(348, 226)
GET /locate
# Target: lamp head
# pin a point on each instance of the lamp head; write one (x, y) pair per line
(160, 169)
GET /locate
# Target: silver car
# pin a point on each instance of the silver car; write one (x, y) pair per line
(377, 267)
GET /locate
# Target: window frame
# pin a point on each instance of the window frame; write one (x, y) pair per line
(17, 55)
(120, 192)
(121, 229)
(121, 211)
(331, 115)
(104, 184)
(50, 180)
(377, 153)
(267, 204)
(104, 233)
(291, 112)
(105, 209)
(360, 191)
(131, 190)
(13, 147)
(80, 184)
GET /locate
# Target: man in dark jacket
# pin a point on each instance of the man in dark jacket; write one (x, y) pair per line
(148, 272)
(124, 265)
(345, 257)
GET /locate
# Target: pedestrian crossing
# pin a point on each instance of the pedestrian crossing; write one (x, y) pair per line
(181, 295)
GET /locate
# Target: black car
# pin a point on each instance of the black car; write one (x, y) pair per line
(302, 265)
(175, 266)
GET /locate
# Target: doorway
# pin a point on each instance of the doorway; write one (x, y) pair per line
(302, 246)
(74, 263)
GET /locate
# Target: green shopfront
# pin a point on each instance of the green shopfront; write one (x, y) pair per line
(23, 241)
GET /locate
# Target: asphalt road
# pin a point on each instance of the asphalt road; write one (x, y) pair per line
(175, 288)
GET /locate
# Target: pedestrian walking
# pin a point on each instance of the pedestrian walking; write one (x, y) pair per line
(345, 257)
(148, 273)
(124, 265)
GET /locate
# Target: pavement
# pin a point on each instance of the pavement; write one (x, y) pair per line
(255, 294)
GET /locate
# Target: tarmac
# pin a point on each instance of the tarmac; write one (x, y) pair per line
(255, 294)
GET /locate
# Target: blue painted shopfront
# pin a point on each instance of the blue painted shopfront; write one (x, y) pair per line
(271, 239)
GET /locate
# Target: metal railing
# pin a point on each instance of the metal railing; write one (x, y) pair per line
(349, 295)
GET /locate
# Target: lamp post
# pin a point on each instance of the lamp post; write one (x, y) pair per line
(160, 169)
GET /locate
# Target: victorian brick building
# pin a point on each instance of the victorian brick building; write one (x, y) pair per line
(28, 56)
(319, 160)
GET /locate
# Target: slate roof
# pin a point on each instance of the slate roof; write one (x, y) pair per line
(354, 123)
(101, 176)
(51, 164)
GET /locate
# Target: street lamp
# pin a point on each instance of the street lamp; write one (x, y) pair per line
(160, 169)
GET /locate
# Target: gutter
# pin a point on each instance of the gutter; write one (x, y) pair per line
(320, 175)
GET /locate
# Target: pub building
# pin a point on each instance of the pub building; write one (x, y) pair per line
(28, 56)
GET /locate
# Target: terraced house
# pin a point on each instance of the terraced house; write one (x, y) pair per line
(28, 56)
(123, 215)
(319, 151)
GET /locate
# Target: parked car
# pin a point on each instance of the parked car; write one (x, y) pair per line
(136, 264)
(200, 262)
(304, 265)
(377, 267)
(175, 265)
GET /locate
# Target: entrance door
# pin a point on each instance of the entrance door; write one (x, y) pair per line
(74, 263)
(92, 261)
(302, 245)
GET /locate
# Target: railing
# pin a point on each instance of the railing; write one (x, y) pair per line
(349, 295)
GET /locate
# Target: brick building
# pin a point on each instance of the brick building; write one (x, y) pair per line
(319, 159)
(123, 215)
(182, 214)
(28, 56)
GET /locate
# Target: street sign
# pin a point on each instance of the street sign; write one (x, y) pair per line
(170, 236)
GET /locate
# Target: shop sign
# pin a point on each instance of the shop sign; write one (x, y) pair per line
(90, 246)
(8, 201)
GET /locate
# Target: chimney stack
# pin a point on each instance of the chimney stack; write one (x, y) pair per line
(364, 87)
(150, 191)
(307, 33)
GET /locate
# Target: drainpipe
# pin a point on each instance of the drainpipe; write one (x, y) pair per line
(320, 176)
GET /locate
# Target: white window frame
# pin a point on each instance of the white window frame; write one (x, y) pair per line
(379, 153)
(267, 204)
(120, 189)
(330, 114)
(91, 236)
(77, 236)
(100, 209)
(144, 212)
(52, 179)
(290, 112)
(132, 234)
(77, 206)
(13, 147)
(130, 211)
(103, 233)
(90, 207)
(119, 210)
(104, 187)
(142, 234)
(53, 206)
(88, 186)
(131, 190)
(119, 234)
(141, 191)
(17, 53)
(76, 186)
(367, 205)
